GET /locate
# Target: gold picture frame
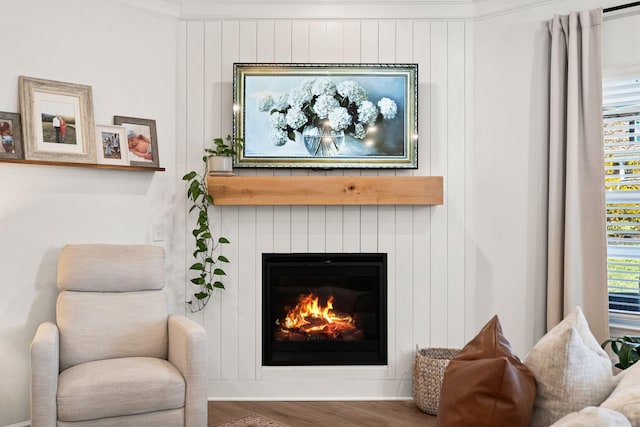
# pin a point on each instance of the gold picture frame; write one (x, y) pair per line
(326, 116)
(57, 121)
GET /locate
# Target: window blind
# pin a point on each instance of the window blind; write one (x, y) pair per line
(621, 135)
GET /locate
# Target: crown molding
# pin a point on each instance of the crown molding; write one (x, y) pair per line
(326, 9)
(451, 10)
(484, 9)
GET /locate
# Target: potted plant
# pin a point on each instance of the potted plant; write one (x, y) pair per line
(627, 348)
(220, 158)
(207, 267)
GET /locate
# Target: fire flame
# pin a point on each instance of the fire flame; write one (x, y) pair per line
(310, 317)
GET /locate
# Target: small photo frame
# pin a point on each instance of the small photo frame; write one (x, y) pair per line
(111, 145)
(141, 139)
(58, 121)
(10, 136)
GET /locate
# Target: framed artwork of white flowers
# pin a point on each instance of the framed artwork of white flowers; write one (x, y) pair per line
(326, 115)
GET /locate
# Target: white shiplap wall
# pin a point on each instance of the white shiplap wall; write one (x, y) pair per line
(425, 245)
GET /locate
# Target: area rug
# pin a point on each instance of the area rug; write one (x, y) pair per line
(252, 421)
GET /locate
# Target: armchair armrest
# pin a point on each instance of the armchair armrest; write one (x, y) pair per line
(45, 366)
(188, 353)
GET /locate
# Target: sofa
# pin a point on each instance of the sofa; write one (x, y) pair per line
(565, 380)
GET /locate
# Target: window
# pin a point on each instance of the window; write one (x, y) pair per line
(621, 124)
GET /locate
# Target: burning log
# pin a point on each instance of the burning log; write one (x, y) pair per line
(310, 321)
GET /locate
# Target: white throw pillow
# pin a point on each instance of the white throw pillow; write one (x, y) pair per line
(572, 371)
(625, 398)
(592, 416)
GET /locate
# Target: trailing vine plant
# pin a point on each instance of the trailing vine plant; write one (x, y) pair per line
(207, 268)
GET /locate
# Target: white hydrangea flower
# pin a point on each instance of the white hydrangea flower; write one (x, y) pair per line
(323, 86)
(278, 137)
(359, 132)
(281, 102)
(352, 90)
(278, 120)
(339, 118)
(324, 104)
(296, 118)
(388, 108)
(265, 103)
(367, 113)
(307, 84)
(299, 96)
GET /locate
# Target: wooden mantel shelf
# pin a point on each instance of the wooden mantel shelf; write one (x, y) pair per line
(325, 190)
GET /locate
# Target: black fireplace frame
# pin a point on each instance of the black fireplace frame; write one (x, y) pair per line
(318, 353)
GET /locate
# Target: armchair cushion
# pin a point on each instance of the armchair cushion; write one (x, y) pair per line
(111, 268)
(105, 325)
(119, 387)
(170, 418)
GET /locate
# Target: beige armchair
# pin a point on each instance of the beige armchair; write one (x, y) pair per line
(115, 356)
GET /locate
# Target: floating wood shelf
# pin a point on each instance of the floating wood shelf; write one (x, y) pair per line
(325, 190)
(83, 165)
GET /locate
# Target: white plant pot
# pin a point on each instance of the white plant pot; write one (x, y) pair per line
(219, 165)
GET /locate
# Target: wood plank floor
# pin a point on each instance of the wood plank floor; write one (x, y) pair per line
(320, 414)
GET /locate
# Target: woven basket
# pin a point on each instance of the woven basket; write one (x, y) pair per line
(428, 373)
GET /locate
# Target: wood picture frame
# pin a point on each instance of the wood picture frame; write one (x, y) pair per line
(111, 145)
(10, 136)
(142, 140)
(57, 120)
(326, 115)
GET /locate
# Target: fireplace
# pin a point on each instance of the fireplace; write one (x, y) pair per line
(324, 309)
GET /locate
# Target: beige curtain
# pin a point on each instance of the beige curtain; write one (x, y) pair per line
(576, 235)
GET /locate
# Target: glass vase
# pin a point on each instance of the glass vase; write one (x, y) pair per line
(323, 141)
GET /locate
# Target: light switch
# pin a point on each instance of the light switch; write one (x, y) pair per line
(157, 232)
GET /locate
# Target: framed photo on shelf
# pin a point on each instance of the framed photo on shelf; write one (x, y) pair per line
(142, 140)
(58, 121)
(326, 115)
(111, 145)
(10, 136)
